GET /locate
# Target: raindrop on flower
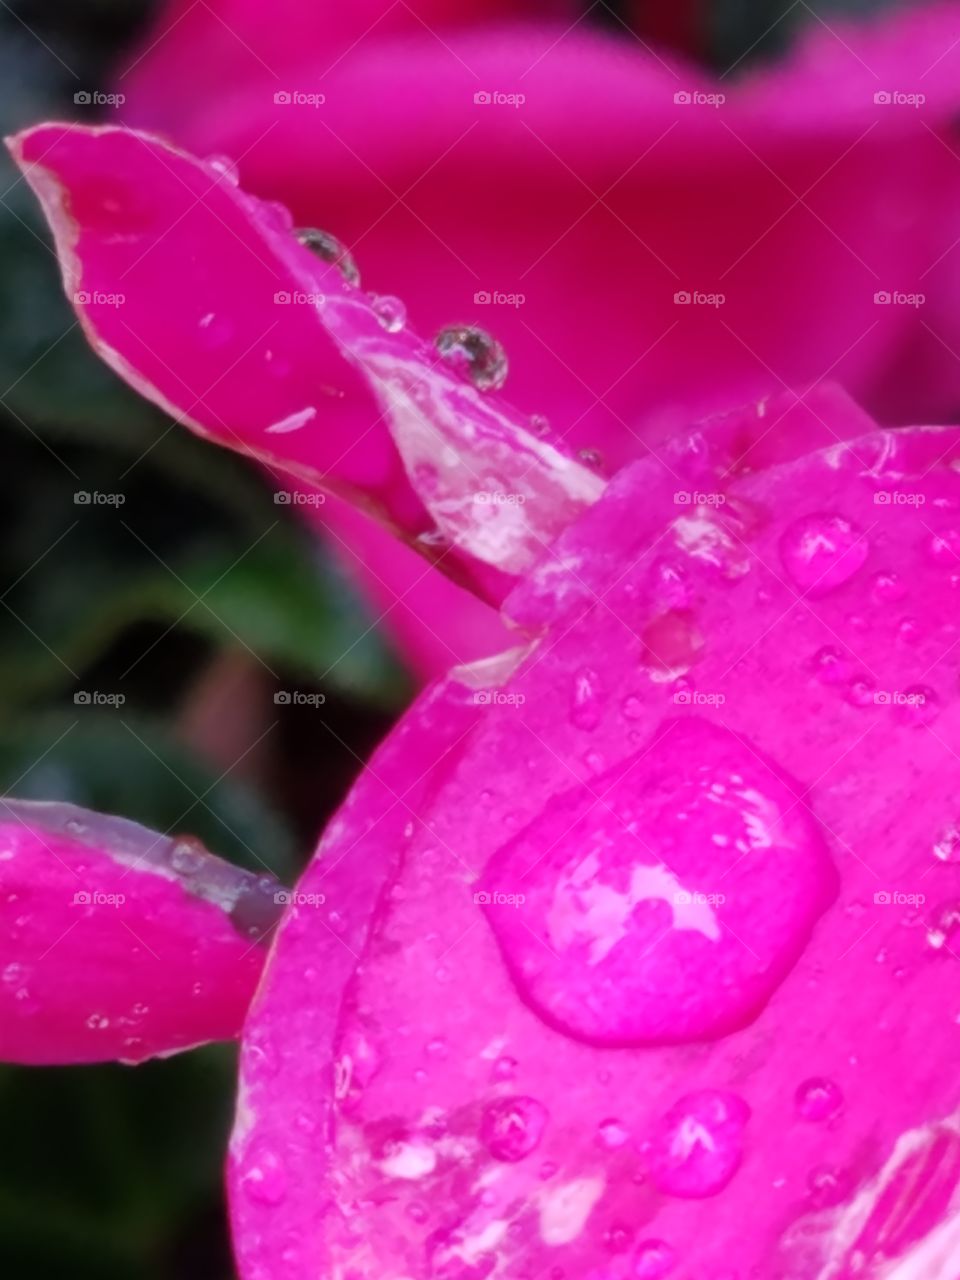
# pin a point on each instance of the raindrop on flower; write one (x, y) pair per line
(225, 167)
(612, 1134)
(390, 311)
(946, 847)
(653, 1259)
(698, 1145)
(512, 1127)
(943, 930)
(187, 856)
(821, 552)
(539, 424)
(585, 700)
(592, 458)
(475, 353)
(329, 249)
(818, 1099)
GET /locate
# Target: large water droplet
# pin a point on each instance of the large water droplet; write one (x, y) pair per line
(698, 1144)
(943, 548)
(821, 552)
(512, 1127)
(818, 1099)
(943, 929)
(672, 911)
(473, 352)
(329, 249)
(390, 311)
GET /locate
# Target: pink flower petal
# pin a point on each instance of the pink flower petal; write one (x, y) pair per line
(599, 198)
(249, 349)
(119, 942)
(289, 1064)
(481, 1127)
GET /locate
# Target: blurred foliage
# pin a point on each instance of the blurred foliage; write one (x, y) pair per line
(196, 600)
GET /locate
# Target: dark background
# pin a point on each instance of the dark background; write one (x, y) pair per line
(110, 1172)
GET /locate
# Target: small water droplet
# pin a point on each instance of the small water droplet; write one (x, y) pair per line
(632, 707)
(187, 856)
(698, 1145)
(886, 587)
(859, 693)
(831, 665)
(943, 548)
(98, 1022)
(918, 705)
(818, 1099)
(821, 552)
(265, 1181)
(946, 847)
(672, 641)
(612, 1134)
(909, 630)
(943, 930)
(591, 458)
(539, 425)
(390, 311)
(585, 700)
(226, 167)
(329, 249)
(505, 1068)
(473, 352)
(512, 1127)
(653, 1259)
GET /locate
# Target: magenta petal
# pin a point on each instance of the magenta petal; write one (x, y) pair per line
(250, 346)
(468, 1127)
(291, 1064)
(117, 942)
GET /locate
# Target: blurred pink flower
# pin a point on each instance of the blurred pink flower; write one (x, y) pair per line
(508, 165)
(645, 929)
